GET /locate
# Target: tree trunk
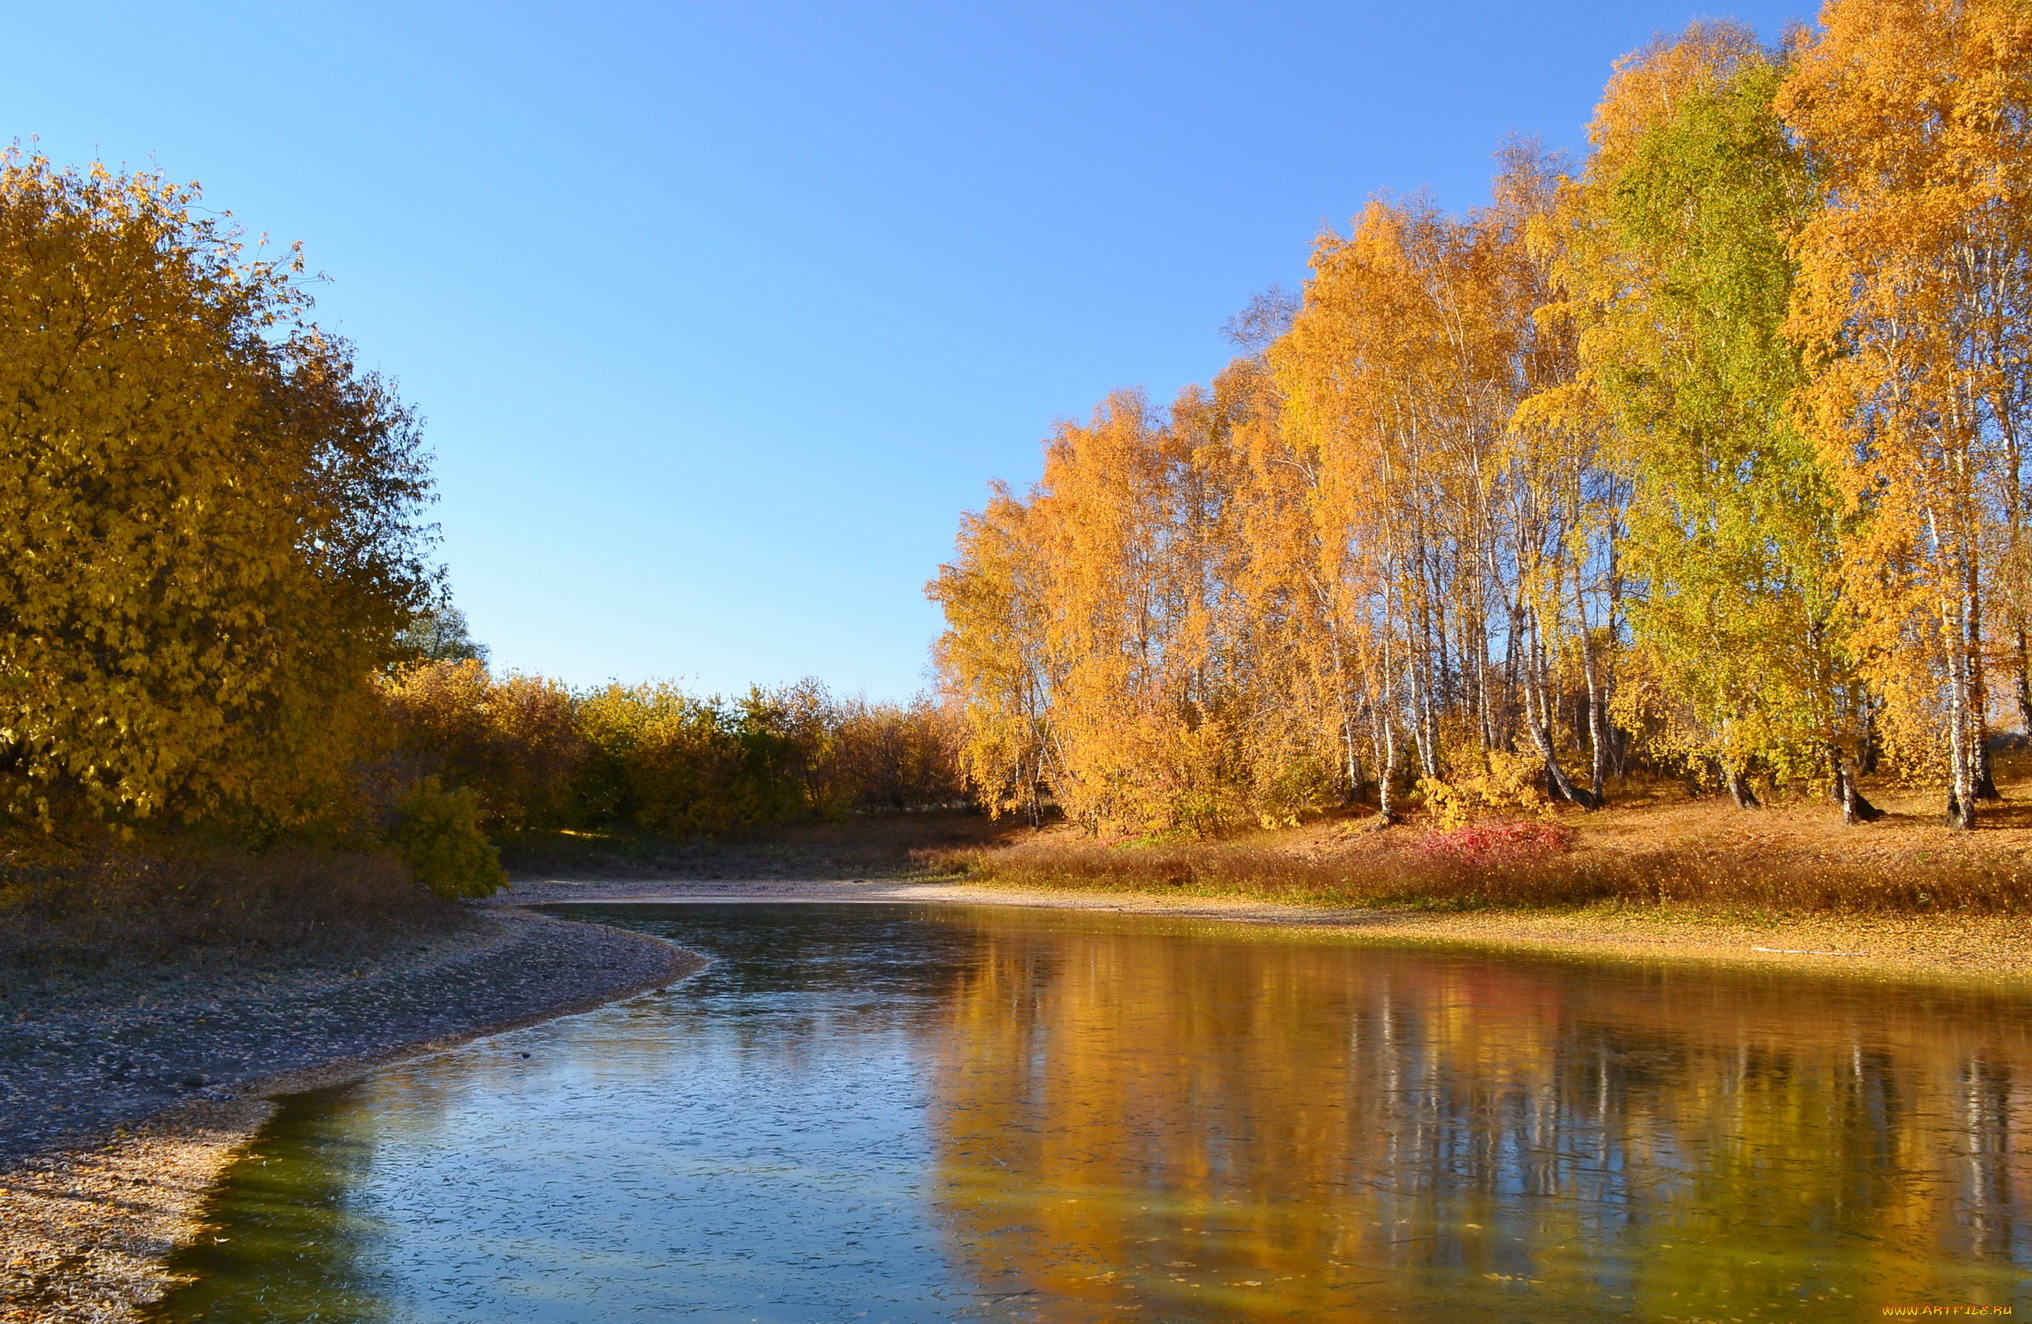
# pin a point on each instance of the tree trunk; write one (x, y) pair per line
(1598, 735)
(1356, 782)
(1538, 719)
(1739, 789)
(1986, 781)
(1565, 787)
(1855, 809)
(1421, 726)
(1597, 696)
(2024, 684)
(1386, 771)
(1963, 756)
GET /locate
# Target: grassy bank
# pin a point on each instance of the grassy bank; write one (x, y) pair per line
(1654, 847)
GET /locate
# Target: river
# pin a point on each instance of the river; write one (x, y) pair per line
(897, 1113)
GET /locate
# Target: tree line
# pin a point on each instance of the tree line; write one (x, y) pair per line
(1704, 451)
(654, 759)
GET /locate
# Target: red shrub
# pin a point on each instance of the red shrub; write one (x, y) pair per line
(1493, 845)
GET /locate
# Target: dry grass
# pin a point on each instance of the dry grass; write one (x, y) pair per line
(95, 903)
(1655, 847)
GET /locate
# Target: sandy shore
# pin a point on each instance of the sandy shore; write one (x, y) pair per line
(1956, 948)
(121, 1110)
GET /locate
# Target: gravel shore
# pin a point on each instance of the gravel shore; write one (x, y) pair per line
(123, 1096)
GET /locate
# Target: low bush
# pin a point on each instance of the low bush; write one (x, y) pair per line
(438, 832)
(1496, 845)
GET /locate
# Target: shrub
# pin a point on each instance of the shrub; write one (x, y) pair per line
(512, 738)
(1490, 783)
(1497, 845)
(439, 834)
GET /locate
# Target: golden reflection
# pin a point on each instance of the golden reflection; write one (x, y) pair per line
(1214, 1122)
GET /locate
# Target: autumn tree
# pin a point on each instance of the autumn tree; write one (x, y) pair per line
(1675, 256)
(1915, 297)
(210, 514)
(1344, 563)
(991, 657)
(1141, 734)
(1710, 449)
(1091, 622)
(1463, 542)
(1560, 496)
(1369, 395)
(1309, 708)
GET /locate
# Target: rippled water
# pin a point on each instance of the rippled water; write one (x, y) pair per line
(899, 1113)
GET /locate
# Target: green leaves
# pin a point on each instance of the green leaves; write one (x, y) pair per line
(439, 834)
(1681, 259)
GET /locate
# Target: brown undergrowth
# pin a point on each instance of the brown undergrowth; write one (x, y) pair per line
(871, 845)
(1655, 848)
(93, 903)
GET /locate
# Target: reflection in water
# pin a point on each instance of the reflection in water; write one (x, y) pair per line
(1210, 1126)
(891, 1113)
(300, 1248)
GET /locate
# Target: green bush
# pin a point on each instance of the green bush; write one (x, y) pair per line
(439, 833)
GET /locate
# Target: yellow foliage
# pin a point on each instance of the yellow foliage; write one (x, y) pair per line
(1084, 628)
(1499, 784)
(1915, 299)
(513, 739)
(1244, 609)
(207, 515)
(1513, 474)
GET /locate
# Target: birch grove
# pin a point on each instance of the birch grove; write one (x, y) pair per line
(1702, 454)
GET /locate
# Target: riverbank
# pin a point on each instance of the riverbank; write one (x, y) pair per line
(1956, 948)
(88, 1211)
(124, 1094)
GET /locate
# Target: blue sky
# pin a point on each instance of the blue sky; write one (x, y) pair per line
(720, 314)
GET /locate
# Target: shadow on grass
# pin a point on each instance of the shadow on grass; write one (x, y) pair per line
(888, 845)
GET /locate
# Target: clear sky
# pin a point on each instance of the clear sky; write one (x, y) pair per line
(721, 313)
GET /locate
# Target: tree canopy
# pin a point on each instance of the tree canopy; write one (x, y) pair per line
(212, 517)
(1705, 451)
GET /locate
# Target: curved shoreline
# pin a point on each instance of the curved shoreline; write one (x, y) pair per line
(86, 1227)
(90, 1215)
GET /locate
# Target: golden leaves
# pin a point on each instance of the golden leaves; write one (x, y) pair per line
(1500, 466)
(208, 527)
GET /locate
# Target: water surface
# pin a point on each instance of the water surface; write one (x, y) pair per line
(903, 1113)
